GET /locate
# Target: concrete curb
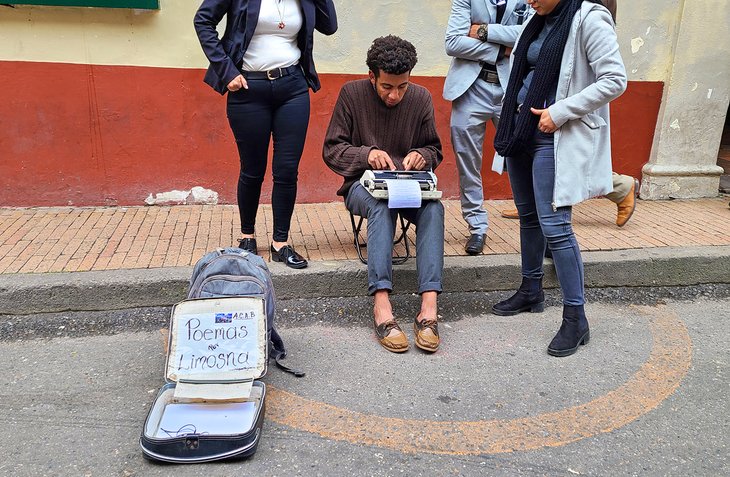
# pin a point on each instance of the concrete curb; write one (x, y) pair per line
(119, 289)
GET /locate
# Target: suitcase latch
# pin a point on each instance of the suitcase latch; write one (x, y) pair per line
(192, 442)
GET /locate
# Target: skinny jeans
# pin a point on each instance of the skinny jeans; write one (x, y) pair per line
(277, 109)
(532, 177)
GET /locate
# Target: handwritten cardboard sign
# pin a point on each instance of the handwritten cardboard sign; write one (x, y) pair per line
(217, 339)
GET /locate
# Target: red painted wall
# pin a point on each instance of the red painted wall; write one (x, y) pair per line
(111, 135)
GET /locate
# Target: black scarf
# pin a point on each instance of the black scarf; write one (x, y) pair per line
(515, 135)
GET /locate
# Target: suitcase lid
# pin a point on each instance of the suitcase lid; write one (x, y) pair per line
(217, 346)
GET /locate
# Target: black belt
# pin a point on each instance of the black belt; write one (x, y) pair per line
(488, 66)
(489, 76)
(271, 75)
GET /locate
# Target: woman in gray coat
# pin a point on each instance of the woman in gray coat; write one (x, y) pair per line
(566, 68)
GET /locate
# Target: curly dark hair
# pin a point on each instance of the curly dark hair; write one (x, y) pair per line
(391, 54)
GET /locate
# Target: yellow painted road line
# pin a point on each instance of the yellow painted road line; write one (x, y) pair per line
(658, 378)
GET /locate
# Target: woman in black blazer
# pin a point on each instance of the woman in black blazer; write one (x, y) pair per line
(264, 62)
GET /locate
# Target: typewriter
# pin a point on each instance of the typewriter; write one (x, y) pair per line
(375, 182)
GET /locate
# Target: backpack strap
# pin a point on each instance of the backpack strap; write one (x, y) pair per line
(278, 352)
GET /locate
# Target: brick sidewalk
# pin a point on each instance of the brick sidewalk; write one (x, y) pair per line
(65, 239)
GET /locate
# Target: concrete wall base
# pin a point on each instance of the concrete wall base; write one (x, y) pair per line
(660, 182)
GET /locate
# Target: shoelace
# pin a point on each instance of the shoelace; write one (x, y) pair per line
(431, 324)
(387, 327)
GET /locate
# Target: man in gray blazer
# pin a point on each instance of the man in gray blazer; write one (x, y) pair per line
(479, 38)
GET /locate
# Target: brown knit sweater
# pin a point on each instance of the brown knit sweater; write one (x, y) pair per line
(361, 122)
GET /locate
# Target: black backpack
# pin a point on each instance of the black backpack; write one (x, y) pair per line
(236, 272)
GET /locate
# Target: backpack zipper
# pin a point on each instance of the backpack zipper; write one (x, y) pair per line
(231, 278)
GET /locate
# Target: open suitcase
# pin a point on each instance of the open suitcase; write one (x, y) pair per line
(212, 406)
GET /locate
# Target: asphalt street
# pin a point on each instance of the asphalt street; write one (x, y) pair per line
(647, 396)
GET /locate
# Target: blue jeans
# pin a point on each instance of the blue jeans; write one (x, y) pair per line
(278, 109)
(429, 222)
(532, 177)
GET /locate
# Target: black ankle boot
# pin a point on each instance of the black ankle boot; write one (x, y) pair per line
(529, 297)
(572, 333)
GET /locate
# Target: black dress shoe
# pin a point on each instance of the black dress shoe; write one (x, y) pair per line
(290, 258)
(249, 245)
(475, 244)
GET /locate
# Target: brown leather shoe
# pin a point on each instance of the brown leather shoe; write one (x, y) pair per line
(391, 337)
(626, 207)
(510, 214)
(427, 334)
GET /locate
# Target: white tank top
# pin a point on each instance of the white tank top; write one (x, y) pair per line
(271, 46)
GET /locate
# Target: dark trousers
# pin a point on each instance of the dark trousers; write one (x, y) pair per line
(532, 177)
(278, 109)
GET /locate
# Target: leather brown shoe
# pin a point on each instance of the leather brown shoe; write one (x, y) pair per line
(391, 337)
(427, 334)
(475, 244)
(510, 214)
(627, 206)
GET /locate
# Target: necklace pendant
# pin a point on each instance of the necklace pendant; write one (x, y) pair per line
(282, 25)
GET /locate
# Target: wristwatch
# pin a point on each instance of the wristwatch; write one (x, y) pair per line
(482, 32)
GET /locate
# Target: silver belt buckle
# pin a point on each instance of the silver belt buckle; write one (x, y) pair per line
(270, 77)
(492, 77)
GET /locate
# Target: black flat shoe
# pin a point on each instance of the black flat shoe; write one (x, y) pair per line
(290, 258)
(249, 245)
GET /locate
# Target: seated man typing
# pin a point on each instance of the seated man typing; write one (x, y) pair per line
(385, 122)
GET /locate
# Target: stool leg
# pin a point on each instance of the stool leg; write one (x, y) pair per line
(356, 237)
(402, 237)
